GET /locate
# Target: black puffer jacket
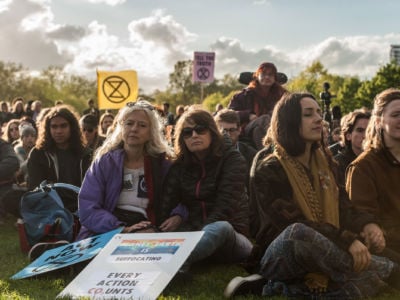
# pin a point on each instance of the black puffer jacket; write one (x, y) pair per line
(8, 163)
(212, 190)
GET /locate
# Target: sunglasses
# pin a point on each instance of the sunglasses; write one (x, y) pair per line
(187, 132)
(140, 104)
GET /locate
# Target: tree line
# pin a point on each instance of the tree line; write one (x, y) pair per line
(51, 84)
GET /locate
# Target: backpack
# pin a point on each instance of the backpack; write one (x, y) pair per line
(45, 217)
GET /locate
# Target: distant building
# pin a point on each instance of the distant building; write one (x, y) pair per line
(395, 53)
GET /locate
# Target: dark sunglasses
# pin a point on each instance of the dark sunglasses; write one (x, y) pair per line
(140, 104)
(187, 132)
(90, 130)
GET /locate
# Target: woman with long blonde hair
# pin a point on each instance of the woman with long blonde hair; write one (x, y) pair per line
(373, 178)
(123, 185)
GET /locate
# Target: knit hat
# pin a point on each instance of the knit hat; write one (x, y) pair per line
(26, 130)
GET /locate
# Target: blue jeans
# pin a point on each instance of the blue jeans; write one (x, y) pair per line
(222, 243)
(299, 250)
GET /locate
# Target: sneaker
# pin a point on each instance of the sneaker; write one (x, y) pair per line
(252, 284)
(39, 248)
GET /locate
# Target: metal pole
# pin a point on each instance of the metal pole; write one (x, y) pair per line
(201, 92)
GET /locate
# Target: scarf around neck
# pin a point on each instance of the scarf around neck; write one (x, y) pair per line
(317, 198)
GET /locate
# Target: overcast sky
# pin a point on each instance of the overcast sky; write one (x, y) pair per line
(350, 37)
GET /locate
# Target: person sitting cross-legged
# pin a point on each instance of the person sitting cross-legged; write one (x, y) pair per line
(311, 241)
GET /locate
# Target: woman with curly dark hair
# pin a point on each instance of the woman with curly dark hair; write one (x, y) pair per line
(59, 154)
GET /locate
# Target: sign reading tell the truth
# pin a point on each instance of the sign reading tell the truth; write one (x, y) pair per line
(203, 67)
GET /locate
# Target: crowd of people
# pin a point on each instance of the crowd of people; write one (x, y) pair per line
(305, 208)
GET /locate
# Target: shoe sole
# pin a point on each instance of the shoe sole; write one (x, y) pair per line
(248, 285)
(40, 248)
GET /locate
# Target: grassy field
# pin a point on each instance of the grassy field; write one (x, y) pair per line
(208, 281)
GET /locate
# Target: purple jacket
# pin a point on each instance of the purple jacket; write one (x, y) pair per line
(101, 188)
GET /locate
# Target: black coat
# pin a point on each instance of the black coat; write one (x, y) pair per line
(212, 190)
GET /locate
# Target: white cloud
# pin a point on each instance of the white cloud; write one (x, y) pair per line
(356, 55)
(261, 2)
(154, 44)
(23, 38)
(4, 5)
(108, 2)
(160, 30)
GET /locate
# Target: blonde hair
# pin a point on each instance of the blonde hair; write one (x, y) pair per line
(374, 133)
(157, 143)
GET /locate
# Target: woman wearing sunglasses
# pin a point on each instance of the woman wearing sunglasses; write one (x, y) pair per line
(123, 185)
(313, 243)
(209, 177)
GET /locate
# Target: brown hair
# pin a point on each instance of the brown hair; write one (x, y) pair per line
(349, 121)
(197, 116)
(262, 68)
(286, 122)
(228, 116)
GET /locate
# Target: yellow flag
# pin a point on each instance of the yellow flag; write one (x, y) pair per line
(115, 89)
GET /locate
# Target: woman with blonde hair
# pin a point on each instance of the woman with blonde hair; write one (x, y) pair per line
(11, 131)
(106, 120)
(373, 177)
(123, 185)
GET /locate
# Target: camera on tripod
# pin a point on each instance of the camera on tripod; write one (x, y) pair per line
(326, 97)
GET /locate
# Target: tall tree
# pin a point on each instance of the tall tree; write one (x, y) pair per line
(387, 76)
(347, 94)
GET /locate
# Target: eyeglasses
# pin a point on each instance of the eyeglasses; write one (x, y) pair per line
(140, 104)
(187, 132)
(229, 130)
(90, 130)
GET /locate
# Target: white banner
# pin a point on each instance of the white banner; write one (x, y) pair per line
(134, 266)
(203, 67)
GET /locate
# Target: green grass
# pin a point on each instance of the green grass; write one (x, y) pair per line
(208, 282)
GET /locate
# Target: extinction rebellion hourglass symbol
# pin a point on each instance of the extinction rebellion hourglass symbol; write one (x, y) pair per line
(116, 89)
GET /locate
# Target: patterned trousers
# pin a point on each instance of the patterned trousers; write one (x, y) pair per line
(299, 250)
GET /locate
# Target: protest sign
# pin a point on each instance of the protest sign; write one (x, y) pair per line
(133, 266)
(203, 67)
(115, 89)
(67, 255)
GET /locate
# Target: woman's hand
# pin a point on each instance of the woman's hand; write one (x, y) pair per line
(373, 237)
(171, 224)
(136, 227)
(361, 256)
